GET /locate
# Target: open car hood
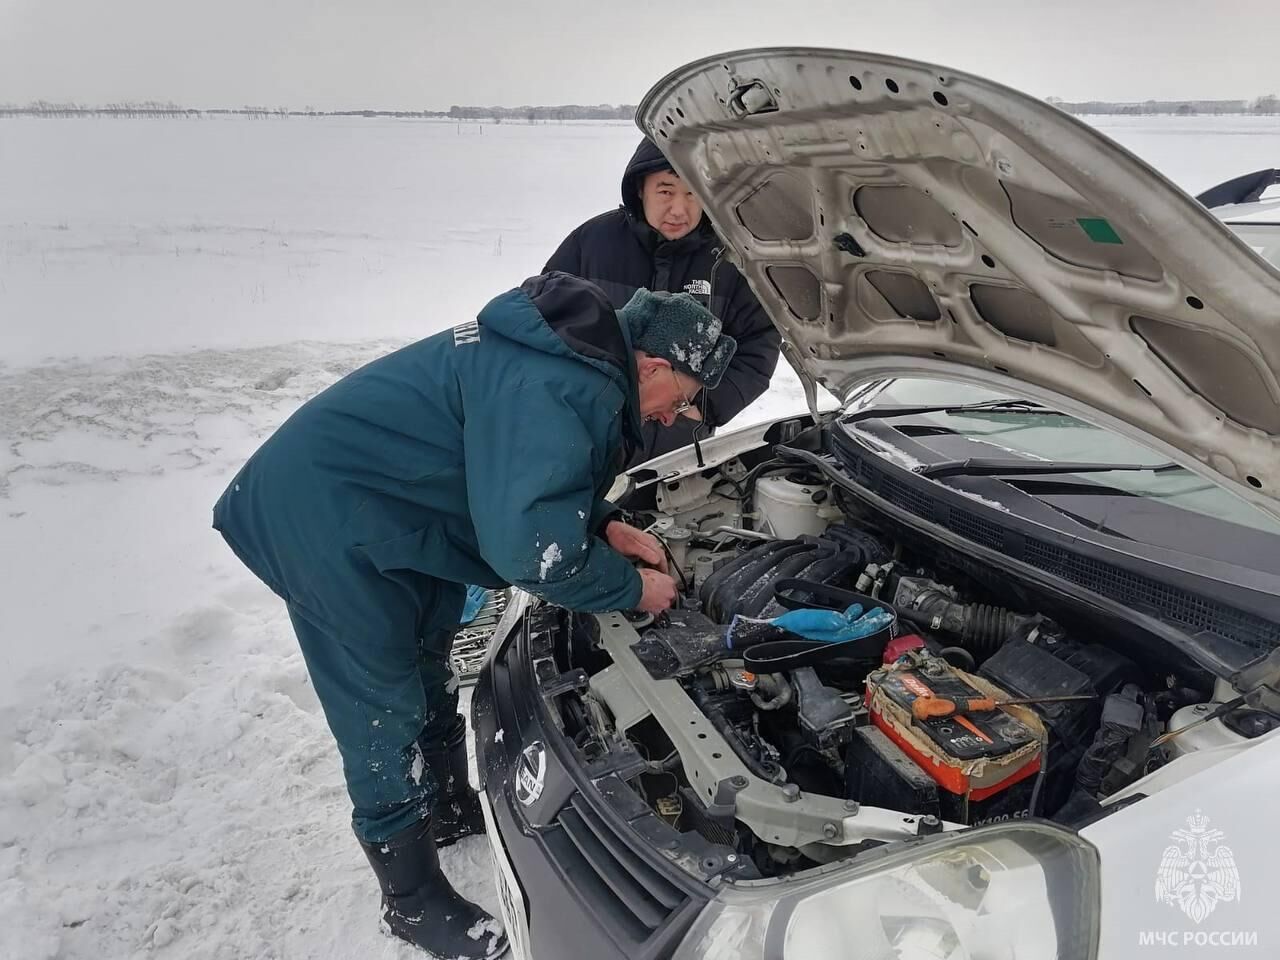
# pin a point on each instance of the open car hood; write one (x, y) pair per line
(901, 219)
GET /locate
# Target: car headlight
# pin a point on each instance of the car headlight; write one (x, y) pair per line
(1026, 891)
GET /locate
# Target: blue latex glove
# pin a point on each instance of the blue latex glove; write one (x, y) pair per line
(476, 599)
(831, 626)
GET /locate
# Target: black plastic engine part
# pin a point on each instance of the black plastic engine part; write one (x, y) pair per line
(744, 585)
(825, 718)
(757, 559)
(982, 629)
(685, 641)
(792, 561)
(1107, 670)
(722, 710)
(1250, 723)
(694, 816)
(1027, 670)
(837, 567)
(866, 547)
(1123, 717)
(879, 774)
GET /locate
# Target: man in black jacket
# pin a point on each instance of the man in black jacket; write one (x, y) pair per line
(658, 239)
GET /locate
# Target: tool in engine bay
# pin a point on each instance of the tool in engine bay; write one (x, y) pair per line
(926, 707)
(1220, 711)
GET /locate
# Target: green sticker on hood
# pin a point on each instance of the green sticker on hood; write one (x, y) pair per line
(1099, 230)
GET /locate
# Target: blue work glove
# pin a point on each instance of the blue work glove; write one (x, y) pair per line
(831, 626)
(476, 599)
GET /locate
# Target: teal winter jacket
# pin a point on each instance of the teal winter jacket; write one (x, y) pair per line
(480, 455)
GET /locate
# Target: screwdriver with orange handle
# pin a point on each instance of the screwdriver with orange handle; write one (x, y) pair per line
(925, 708)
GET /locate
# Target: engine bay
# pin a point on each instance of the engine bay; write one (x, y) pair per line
(804, 758)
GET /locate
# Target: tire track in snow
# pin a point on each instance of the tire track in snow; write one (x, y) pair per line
(107, 419)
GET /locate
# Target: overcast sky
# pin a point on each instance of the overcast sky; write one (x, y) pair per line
(429, 54)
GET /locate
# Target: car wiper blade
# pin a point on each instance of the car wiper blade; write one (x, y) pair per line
(1008, 405)
(993, 467)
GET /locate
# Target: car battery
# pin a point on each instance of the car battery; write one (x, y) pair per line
(878, 773)
(975, 758)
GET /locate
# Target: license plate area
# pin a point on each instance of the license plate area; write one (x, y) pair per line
(514, 910)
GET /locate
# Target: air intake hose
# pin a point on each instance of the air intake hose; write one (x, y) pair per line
(981, 628)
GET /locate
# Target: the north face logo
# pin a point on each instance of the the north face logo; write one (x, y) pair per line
(465, 333)
(701, 288)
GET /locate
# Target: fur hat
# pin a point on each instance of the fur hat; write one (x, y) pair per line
(679, 329)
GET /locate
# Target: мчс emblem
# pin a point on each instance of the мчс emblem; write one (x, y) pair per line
(1197, 871)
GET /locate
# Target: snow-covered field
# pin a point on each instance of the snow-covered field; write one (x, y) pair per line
(169, 292)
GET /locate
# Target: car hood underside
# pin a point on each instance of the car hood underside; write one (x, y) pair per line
(897, 218)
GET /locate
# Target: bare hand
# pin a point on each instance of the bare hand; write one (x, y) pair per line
(636, 544)
(659, 592)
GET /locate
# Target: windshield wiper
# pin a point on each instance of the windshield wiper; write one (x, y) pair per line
(991, 467)
(1008, 405)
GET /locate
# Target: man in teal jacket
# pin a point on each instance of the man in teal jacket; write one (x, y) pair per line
(480, 455)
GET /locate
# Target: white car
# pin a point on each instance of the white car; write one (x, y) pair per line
(1250, 206)
(1053, 471)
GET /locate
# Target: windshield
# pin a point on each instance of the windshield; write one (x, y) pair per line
(1263, 237)
(1051, 436)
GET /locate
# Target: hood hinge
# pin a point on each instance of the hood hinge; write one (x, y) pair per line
(1260, 683)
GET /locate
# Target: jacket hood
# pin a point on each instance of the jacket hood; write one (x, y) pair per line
(900, 219)
(564, 315)
(646, 160)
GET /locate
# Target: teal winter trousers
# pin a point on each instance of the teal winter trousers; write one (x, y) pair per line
(381, 671)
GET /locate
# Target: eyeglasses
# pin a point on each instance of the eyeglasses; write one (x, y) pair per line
(685, 403)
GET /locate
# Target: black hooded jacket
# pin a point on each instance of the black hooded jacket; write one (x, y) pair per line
(619, 252)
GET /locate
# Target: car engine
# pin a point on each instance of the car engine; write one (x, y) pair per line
(845, 731)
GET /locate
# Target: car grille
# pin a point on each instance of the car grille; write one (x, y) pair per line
(616, 884)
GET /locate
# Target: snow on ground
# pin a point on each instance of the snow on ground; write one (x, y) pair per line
(169, 292)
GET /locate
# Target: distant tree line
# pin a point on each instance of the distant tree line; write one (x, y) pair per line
(1268, 105)
(151, 108)
(530, 114)
(146, 108)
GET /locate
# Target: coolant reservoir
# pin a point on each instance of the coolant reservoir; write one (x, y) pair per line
(787, 507)
(1204, 736)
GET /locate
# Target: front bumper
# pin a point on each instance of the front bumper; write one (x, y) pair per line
(595, 867)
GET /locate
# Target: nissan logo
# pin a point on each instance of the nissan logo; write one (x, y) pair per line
(531, 773)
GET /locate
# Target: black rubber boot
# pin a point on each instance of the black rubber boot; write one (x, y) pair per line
(422, 908)
(457, 809)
